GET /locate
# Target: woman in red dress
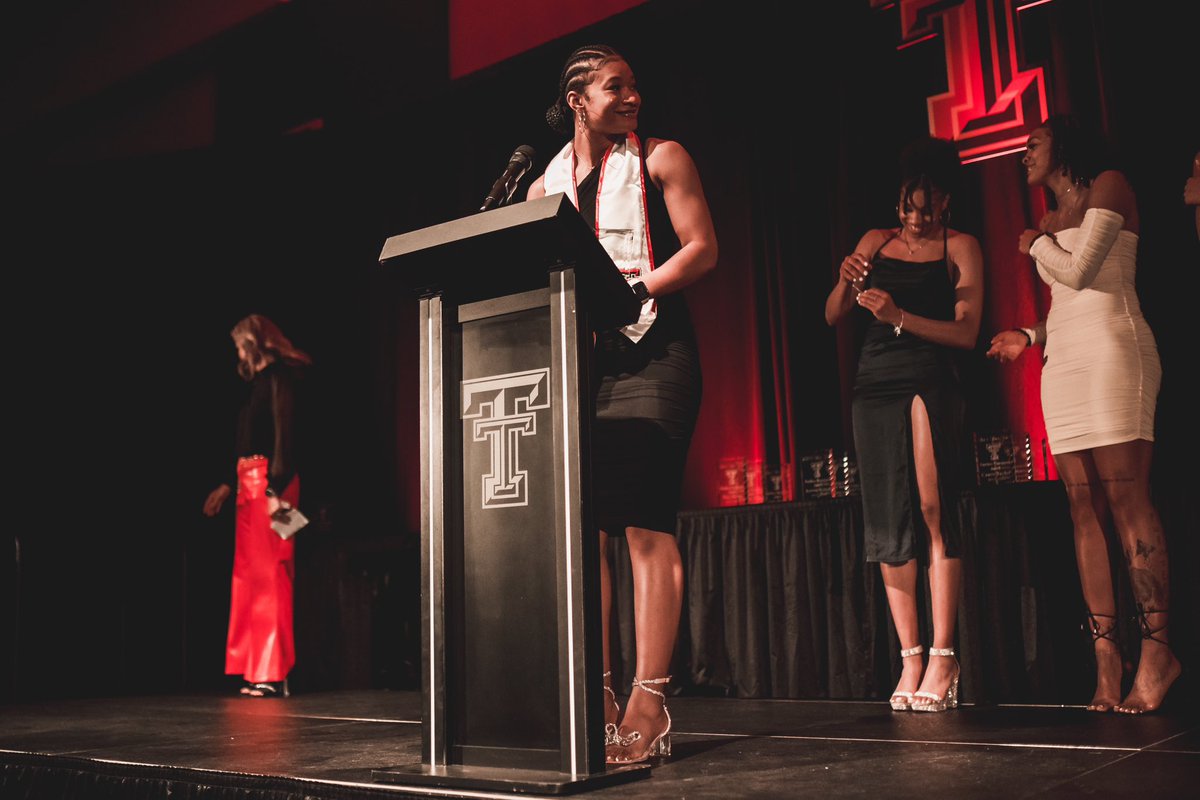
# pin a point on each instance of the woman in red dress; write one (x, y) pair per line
(260, 645)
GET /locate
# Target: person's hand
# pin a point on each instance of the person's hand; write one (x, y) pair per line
(881, 304)
(272, 504)
(1191, 191)
(216, 499)
(854, 270)
(1007, 346)
(1026, 240)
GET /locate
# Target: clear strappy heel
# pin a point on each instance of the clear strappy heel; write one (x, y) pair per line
(661, 746)
(610, 728)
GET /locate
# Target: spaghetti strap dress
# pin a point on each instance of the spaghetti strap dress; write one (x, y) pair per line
(892, 370)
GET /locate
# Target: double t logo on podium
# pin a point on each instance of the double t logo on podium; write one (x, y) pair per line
(512, 687)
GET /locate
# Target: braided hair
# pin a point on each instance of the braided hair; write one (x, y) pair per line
(576, 74)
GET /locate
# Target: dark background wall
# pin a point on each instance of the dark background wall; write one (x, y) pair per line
(255, 156)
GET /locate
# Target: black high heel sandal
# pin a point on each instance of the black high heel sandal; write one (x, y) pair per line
(269, 689)
(1148, 633)
(1093, 627)
(1097, 631)
(1149, 630)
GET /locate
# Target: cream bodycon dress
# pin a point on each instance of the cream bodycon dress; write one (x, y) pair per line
(1101, 374)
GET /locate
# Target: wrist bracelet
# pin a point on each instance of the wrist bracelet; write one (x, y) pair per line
(896, 329)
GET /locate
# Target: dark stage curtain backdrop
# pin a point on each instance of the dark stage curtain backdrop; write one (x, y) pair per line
(780, 604)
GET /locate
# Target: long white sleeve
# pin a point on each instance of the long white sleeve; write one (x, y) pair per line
(1077, 270)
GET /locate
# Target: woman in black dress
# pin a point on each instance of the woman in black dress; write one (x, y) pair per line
(646, 204)
(923, 285)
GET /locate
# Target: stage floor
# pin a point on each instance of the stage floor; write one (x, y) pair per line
(326, 745)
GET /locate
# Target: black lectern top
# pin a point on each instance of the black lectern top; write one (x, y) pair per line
(510, 250)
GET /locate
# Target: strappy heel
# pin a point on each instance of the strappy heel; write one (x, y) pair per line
(1098, 631)
(1167, 678)
(930, 701)
(610, 728)
(1109, 632)
(1148, 630)
(661, 746)
(902, 705)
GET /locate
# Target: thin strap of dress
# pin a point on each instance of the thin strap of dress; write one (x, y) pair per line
(951, 269)
(885, 244)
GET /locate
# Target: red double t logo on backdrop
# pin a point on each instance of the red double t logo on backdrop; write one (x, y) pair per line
(992, 101)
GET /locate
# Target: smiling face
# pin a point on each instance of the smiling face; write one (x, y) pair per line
(1038, 161)
(920, 216)
(610, 103)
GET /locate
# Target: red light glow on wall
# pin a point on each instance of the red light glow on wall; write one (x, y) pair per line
(992, 103)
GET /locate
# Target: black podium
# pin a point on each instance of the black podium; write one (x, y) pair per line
(510, 627)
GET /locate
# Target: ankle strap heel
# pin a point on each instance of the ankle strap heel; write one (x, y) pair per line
(661, 745)
(900, 701)
(930, 701)
(1099, 631)
(610, 728)
(1148, 630)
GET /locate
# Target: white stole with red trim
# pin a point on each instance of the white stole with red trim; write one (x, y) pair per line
(622, 225)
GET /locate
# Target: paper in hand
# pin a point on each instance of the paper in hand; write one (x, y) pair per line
(286, 521)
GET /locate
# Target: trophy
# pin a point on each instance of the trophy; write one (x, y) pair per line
(995, 458)
(818, 477)
(732, 489)
(754, 481)
(777, 484)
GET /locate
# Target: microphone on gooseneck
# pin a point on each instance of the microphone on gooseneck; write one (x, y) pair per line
(502, 190)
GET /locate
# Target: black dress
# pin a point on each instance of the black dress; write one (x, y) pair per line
(892, 370)
(647, 397)
(266, 423)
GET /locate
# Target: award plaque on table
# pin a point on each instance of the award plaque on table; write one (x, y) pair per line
(848, 483)
(995, 458)
(818, 475)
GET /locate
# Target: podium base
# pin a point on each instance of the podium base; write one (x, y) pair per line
(527, 781)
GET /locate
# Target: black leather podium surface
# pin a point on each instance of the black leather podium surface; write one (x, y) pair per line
(511, 679)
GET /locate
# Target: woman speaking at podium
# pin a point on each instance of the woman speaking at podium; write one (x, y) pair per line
(646, 204)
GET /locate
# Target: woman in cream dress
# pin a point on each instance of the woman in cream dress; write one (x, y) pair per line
(1100, 381)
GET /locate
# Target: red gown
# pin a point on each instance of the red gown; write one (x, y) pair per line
(260, 646)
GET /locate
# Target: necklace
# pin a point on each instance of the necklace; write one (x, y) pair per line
(912, 250)
(1062, 200)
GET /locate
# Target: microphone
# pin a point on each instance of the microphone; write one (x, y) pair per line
(502, 190)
